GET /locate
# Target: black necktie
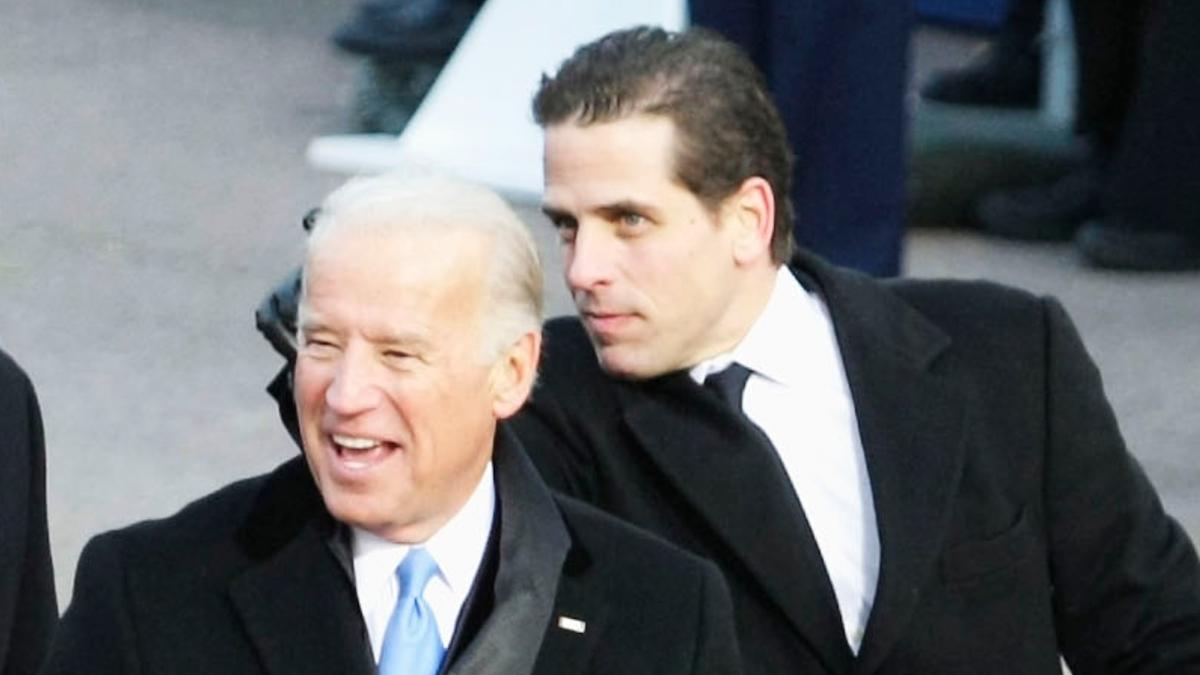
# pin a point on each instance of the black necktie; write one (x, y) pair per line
(788, 523)
(729, 384)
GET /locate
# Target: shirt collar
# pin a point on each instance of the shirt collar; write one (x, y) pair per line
(791, 320)
(457, 547)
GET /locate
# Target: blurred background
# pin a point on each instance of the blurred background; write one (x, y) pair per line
(152, 185)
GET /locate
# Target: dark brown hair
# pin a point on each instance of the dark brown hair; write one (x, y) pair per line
(727, 126)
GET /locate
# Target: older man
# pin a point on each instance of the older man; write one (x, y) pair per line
(413, 537)
(908, 477)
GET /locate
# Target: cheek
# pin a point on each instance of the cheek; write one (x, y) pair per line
(309, 383)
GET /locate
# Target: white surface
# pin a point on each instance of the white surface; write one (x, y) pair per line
(475, 122)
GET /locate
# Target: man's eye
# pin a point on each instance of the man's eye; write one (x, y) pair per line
(632, 220)
(318, 346)
(566, 235)
(561, 221)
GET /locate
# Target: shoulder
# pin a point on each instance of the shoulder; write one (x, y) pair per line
(15, 388)
(619, 548)
(10, 373)
(950, 304)
(966, 302)
(218, 526)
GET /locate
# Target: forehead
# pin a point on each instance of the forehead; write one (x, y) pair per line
(372, 275)
(608, 161)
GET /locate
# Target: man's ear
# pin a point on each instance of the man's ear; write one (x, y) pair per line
(513, 374)
(751, 211)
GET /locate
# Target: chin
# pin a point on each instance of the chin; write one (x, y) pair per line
(353, 510)
(625, 364)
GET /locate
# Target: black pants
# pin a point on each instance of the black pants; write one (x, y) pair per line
(1139, 98)
(838, 71)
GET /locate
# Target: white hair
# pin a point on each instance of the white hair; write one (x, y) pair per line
(400, 202)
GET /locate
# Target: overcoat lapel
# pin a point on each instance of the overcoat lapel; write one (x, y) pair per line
(567, 650)
(911, 423)
(300, 611)
(533, 544)
(744, 496)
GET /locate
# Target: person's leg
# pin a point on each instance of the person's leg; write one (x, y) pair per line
(1152, 197)
(1007, 73)
(1024, 18)
(838, 71)
(1106, 46)
(743, 23)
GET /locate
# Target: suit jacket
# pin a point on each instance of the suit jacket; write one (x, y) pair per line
(256, 578)
(28, 610)
(1012, 521)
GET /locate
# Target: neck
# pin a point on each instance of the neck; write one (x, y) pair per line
(748, 304)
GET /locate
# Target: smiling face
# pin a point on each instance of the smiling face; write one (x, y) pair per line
(397, 407)
(660, 281)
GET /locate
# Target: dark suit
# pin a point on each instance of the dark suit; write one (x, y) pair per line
(257, 578)
(1011, 519)
(28, 610)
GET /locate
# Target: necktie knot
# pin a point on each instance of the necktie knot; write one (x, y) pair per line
(728, 384)
(414, 573)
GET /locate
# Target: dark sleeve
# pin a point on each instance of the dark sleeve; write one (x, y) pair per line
(1126, 577)
(97, 635)
(28, 609)
(717, 648)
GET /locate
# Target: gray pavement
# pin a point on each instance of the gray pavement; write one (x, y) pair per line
(152, 183)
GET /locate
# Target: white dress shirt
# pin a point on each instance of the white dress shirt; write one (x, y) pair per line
(457, 548)
(799, 396)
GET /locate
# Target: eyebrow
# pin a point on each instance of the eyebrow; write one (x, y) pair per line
(608, 211)
(621, 207)
(555, 214)
(309, 323)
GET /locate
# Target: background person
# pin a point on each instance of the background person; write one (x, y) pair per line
(28, 610)
(1131, 204)
(838, 72)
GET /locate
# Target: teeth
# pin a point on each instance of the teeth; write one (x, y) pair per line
(354, 443)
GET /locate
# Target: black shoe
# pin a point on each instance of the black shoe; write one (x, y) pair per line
(1007, 74)
(406, 29)
(1049, 212)
(1112, 243)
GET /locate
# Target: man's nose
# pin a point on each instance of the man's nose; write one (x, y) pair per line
(354, 388)
(588, 260)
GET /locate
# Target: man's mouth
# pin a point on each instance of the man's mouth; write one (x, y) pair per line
(359, 453)
(604, 322)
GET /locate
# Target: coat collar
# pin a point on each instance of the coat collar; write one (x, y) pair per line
(534, 542)
(297, 598)
(910, 422)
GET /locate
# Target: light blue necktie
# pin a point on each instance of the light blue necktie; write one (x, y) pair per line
(411, 645)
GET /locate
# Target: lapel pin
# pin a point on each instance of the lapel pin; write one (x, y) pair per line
(573, 625)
